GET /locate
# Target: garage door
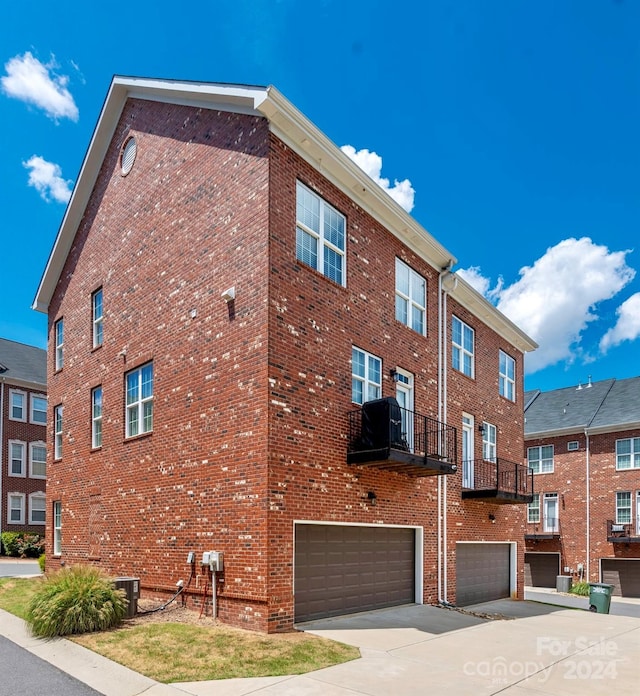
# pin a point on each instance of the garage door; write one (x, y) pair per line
(344, 569)
(541, 569)
(624, 575)
(482, 572)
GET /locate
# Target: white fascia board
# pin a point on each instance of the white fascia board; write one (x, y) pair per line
(582, 430)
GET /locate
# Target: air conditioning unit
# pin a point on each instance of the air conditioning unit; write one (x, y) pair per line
(131, 587)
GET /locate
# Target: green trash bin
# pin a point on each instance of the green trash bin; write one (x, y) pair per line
(600, 597)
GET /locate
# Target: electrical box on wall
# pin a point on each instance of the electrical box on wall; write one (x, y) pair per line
(205, 558)
(191, 558)
(216, 561)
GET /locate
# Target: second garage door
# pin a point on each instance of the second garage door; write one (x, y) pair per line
(623, 574)
(482, 572)
(345, 569)
(541, 569)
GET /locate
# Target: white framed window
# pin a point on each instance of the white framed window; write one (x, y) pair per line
(97, 317)
(15, 507)
(462, 347)
(411, 298)
(38, 460)
(628, 453)
(573, 446)
(320, 235)
(540, 459)
(489, 436)
(139, 406)
(623, 507)
(96, 417)
(57, 432)
(57, 528)
(551, 515)
(17, 458)
(58, 328)
(37, 508)
(366, 376)
(38, 409)
(533, 509)
(17, 405)
(507, 377)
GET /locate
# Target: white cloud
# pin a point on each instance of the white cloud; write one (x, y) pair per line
(46, 178)
(36, 83)
(627, 327)
(555, 299)
(371, 164)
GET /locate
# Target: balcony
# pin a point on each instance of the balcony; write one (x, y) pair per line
(385, 436)
(500, 481)
(622, 533)
(548, 529)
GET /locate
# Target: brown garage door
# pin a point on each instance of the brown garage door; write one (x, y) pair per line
(623, 574)
(344, 569)
(482, 572)
(541, 569)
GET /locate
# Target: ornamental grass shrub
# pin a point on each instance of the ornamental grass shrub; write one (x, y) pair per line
(79, 599)
(580, 588)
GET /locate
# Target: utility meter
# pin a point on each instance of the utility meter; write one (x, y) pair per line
(216, 561)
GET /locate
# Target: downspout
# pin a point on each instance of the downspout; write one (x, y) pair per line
(588, 494)
(440, 372)
(444, 420)
(1, 446)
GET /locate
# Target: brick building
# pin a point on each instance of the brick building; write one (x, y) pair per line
(226, 291)
(583, 444)
(23, 431)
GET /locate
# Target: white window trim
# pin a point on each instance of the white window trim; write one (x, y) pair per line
(23, 394)
(58, 433)
(505, 383)
(462, 350)
(410, 300)
(39, 443)
(22, 496)
(540, 459)
(534, 506)
(323, 242)
(140, 402)
(489, 447)
(631, 455)
(59, 345)
(366, 379)
(96, 419)
(40, 495)
(57, 528)
(628, 507)
(23, 466)
(97, 324)
(32, 409)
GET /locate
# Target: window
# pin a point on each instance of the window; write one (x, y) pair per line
(16, 508)
(533, 509)
(411, 298)
(139, 407)
(507, 377)
(96, 316)
(623, 507)
(540, 459)
(17, 451)
(38, 460)
(488, 442)
(57, 432)
(59, 337)
(320, 235)
(39, 410)
(366, 376)
(573, 446)
(628, 453)
(462, 339)
(96, 417)
(57, 528)
(17, 402)
(37, 508)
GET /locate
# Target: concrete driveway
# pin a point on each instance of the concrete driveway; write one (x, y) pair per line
(16, 567)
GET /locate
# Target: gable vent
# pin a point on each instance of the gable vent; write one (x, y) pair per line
(128, 155)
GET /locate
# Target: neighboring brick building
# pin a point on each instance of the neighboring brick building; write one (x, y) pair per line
(23, 434)
(584, 445)
(206, 380)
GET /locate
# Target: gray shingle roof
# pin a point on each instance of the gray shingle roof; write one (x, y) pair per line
(609, 404)
(22, 363)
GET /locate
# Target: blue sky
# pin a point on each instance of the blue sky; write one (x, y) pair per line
(512, 126)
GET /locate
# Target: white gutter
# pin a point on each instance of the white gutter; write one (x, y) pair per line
(1, 445)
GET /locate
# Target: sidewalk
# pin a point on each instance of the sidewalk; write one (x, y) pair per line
(620, 606)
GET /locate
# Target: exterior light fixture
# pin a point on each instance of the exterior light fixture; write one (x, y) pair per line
(492, 518)
(395, 376)
(371, 497)
(481, 428)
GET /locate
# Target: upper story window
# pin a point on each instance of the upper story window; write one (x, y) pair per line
(507, 377)
(628, 453)
(96, 317)
(462, 347)
(17, 461)
(366, 376)
(17, 405)
(489, 435)
(38, 460)
(411, 298)
(16, 508)
(57, 432)
(533, 509)
(573, 446)
(320, 235)
(139, 406)
(39, 410)
(623, 507)
(37, 508)
(540, 459)
(96, 417)
(59, 347)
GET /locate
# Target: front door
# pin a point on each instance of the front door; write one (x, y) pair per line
(404, 396)
(467, 451)
(551, 512)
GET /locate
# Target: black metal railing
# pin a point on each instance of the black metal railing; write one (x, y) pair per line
(500, 475)
(621, 531)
